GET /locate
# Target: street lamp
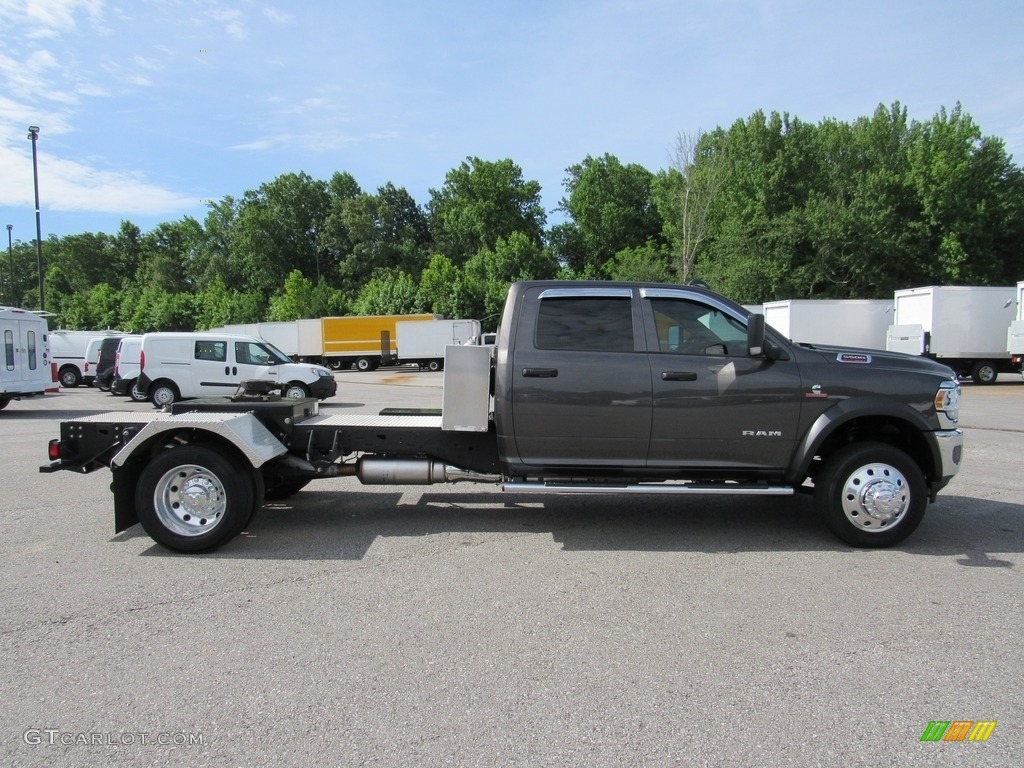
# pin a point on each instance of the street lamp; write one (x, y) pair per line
(33, 134)
(10, 256)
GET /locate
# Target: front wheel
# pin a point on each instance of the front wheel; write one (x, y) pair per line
(871, 494)
(984, 372)
(296, 390)
(193, 499)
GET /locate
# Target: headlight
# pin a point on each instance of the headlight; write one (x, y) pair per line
(322, 372)
(947, 402)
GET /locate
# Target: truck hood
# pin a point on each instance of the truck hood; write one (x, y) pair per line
(879, 358)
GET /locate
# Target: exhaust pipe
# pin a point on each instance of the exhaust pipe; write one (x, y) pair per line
(376, 471)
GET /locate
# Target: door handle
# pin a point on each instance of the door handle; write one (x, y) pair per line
(678, 376)
(227, 370)
(540, 373)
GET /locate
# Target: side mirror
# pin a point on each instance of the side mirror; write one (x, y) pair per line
(755, 335)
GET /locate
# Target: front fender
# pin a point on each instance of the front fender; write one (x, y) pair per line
(843, 413)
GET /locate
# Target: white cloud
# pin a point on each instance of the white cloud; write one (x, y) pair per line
(277, 16)
(47, 19)
(232, 21)
(324, 141)
(67, 185)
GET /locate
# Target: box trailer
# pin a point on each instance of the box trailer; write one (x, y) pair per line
(964, 327)
(365, 341)
(301, 340)
(1015, 333)
(423, 343)
(832, 322)
(27, 369)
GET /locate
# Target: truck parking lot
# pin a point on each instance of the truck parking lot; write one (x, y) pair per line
(463, 626)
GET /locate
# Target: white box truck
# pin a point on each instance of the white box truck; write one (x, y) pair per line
(1015, 333)
(301, 340)
(831, 322)
(423, 342)
(963, 326)
(26, 369)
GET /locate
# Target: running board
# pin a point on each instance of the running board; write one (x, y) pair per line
(692, 489)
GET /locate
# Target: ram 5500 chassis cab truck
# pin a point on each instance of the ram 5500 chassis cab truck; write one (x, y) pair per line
(592, 387)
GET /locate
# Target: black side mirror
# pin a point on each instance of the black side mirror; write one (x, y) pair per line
(755, 335)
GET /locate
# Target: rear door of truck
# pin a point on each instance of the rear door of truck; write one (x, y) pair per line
(581, 386)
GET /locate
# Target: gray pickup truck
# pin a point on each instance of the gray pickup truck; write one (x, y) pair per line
(591, 387)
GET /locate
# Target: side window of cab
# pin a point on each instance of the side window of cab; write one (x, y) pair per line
(688, 327)
(585, 323)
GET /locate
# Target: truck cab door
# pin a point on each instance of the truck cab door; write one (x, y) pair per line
(714, 404)
(580, 380)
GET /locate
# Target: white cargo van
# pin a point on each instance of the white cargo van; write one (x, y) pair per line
(25, 369)
(176, 366)
(126, 369)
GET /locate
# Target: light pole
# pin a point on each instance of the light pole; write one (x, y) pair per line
(10, 257)
(33, 134)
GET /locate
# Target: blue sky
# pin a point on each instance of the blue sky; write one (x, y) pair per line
(147, 109)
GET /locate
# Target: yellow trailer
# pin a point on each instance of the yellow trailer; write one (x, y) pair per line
(365, 341)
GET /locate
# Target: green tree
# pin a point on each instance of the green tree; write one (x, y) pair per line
(386, 231)
(481, 202)
(390, 293)
(611, 208)
(278, 228)
(301, 298)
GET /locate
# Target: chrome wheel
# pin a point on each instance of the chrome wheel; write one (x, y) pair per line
(189, 500)
(875, 497)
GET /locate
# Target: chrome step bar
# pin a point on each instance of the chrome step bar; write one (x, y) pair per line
(676, 488)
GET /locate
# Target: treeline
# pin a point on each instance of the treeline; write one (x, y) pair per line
(768, 208)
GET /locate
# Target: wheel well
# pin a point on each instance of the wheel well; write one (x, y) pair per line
(880, 429)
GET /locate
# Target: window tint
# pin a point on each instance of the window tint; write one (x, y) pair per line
(9, 349)
(691, 328)
(212, 350)
(602, 324)
(31, 350)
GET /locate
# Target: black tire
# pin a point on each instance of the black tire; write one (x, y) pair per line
(163, 393)
(4, 401)
(296, 390)
(871, 494)
(984, 372)
(366, 364)
(69, 377)
(435, 365)
(134, 393)
(192, 498)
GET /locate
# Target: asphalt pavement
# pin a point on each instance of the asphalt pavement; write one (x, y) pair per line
(460, 626)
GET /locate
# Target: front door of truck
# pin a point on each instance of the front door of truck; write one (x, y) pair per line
(714, 405)
(581, 385)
